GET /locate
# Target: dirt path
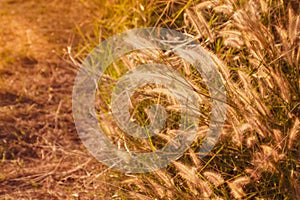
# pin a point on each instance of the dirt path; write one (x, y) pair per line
(41, 154)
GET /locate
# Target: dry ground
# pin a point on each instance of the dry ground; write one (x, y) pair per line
(42, 157)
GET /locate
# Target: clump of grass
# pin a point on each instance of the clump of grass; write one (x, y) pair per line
(259, 42)
(257, 155)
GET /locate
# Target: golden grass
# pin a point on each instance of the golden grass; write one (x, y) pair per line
(258, 43)
(257, 155)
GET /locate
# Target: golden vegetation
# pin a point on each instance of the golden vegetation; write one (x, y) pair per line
(257, 156)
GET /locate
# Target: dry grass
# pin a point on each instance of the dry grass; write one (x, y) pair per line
(257, 156)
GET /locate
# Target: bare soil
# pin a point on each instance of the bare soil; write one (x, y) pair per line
(42, 156)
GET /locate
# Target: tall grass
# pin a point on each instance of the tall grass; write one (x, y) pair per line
(257, 156)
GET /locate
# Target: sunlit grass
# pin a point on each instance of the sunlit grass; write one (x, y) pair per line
(257, 155)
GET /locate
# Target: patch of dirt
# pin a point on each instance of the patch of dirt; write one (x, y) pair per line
(42, 156)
